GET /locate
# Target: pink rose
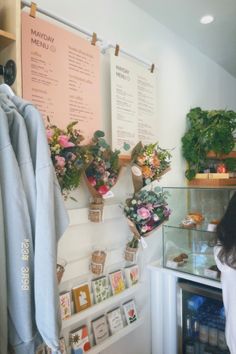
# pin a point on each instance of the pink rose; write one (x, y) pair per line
(144, 213)
(49, 134)
(92, 181)
(103, 189)
(64, 142)
(60, 161)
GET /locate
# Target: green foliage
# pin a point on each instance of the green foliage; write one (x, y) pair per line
(207, 131)
(230, 164)
(99, 134)
(126, 146)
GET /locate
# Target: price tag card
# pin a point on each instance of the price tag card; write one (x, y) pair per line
(210, 273)
(108, 195)
(171, 264)
(143, 243)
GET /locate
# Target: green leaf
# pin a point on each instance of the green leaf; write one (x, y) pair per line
(126, 146)
(157, 189)
(190, 174)
(102, 142)
(99, 134)
(72, 198)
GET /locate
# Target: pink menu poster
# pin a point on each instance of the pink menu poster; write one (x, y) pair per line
(61, 75)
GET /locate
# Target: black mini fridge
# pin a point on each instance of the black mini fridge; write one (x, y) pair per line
(201, 319)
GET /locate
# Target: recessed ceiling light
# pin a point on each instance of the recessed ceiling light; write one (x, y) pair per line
(207, 19)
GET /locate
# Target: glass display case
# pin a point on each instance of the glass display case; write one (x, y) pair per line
(189, 235)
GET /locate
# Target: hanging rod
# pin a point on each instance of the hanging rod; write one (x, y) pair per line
(105, 44)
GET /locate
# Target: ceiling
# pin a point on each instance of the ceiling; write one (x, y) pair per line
(217, 40)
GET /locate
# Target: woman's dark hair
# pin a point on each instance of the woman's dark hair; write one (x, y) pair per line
(226, 234)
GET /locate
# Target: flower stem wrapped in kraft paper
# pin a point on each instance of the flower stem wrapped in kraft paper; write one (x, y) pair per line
(95, 213)
(98, 261)
(131, 249)
(96, 205)
(150, 163)
(147, 210)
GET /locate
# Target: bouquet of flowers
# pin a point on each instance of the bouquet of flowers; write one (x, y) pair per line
(150, 163)
(146, 210)
(101, 172)
(102, 164)
(66, 155)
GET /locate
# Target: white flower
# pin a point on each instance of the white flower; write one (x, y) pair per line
(156, 217)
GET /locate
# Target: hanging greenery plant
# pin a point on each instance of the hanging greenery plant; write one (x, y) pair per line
(230, 164)
(207, 131)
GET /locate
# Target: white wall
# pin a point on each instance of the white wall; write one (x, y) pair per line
(186, 78)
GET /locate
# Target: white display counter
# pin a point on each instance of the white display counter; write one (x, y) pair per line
(164, 306)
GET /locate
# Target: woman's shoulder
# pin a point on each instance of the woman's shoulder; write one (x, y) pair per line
(217, 250)
(223, 267)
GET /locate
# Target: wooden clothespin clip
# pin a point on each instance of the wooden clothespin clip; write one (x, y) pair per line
(94, 38)
(33, 9)
(152, 68)
(117, 50)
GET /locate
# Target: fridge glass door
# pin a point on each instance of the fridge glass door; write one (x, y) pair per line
(201, 320)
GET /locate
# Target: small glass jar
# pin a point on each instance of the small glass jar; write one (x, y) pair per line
(203, 332)
(189, 348)
(98, 259)
(212, 335)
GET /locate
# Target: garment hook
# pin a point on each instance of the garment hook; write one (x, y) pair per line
(8, 71)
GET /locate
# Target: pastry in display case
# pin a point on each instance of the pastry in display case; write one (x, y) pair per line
(189, 236)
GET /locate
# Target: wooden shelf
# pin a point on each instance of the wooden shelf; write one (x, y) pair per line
(102, 306)
(213, 182)
(6, 38)
(213, 155)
